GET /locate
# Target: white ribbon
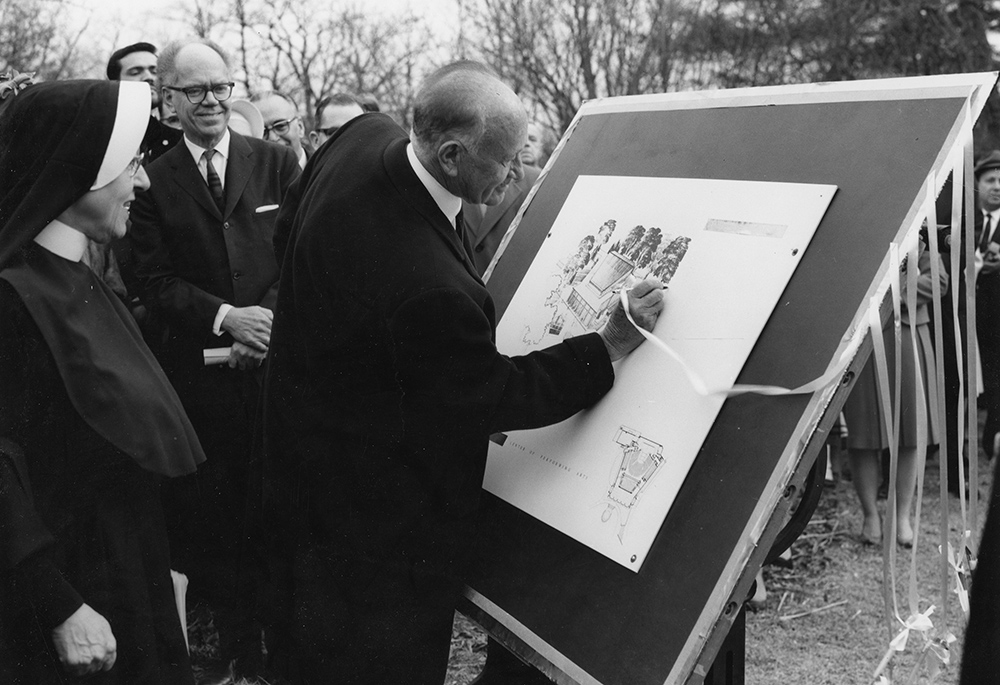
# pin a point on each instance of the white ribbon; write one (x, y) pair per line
(833, 375)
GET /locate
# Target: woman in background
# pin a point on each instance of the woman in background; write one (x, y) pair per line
(867, 436)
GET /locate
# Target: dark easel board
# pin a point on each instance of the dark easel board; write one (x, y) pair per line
(575, 614)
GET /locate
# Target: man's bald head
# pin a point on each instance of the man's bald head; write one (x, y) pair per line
(468, 127)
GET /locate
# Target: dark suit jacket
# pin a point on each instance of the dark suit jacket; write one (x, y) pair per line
(159, 139)
(383, 381)
(487, 225)
(191, 258)
(988, 301)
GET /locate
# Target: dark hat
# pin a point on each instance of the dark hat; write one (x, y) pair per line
(114, 69)
(990, 161)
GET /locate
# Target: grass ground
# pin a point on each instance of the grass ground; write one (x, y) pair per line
(824, 620)
(844, 644)
(793, 638)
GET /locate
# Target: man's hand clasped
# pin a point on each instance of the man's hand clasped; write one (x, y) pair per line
(251, 331)
(645, 301)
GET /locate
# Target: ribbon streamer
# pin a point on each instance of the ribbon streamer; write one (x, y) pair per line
(831, 376)
(920, 623)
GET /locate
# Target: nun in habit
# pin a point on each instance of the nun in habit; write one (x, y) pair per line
(89, 425)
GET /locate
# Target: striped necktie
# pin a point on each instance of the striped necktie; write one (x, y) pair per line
(214, 184)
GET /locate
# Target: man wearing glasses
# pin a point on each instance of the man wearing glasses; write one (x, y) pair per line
(206, 268)
(282, 123)
(332, 112)
(137, 62)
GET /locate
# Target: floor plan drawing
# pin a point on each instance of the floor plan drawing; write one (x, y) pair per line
(638, 461)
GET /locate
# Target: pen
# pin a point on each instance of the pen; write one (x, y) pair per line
(662, 287)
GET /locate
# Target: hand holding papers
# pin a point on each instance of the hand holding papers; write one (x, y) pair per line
(216, 355)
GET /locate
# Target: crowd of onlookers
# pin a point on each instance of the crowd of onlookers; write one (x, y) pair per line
(144, 230)
(308, 458)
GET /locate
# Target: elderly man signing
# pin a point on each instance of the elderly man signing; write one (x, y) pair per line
(384, 384)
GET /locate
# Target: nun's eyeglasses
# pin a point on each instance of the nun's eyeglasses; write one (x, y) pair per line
(196, 94)
(134, 164)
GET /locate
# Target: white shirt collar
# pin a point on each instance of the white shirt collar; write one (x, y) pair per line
(302, 158)
(449, 204)
(197, 150)
(63, 240)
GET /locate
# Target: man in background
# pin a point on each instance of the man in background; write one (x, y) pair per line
(987, 173)
(332, 112)
(488, 225)
(282, 123)
(114, 262)
(537, 147)
(137, 62)
(204, 261)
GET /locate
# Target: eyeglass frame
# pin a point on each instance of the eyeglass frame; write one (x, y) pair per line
(280, 126)
(329, 130)
(211, 87)
(135, 164)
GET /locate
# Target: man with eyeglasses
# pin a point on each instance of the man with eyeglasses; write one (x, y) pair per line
(202, 242)
(137, 62)
(332, 112)
(282, 123)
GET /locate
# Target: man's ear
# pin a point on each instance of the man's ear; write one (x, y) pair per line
(314, 139)
(448, 155)
(167, 96)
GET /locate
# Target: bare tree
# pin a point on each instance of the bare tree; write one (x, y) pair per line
(35, 36)
(308, 49)
(558, 53)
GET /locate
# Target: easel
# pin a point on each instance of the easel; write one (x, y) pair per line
(729, 667)
(574, 614)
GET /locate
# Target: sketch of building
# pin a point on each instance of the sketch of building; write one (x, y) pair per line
(639, 461)
(591, 297)
(589, 279)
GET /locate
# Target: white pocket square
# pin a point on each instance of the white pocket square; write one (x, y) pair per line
(266, 208)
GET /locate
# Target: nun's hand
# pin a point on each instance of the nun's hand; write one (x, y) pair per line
(245, 357)
(84, 642)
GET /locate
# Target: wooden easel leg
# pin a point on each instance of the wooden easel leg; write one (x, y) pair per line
(729, 667)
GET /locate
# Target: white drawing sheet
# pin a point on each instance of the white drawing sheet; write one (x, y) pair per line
(726, 249)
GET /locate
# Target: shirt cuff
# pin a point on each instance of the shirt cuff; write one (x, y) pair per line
(217, 325)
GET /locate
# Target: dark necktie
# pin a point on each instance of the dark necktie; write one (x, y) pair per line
(214, 184)
(463, 233)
